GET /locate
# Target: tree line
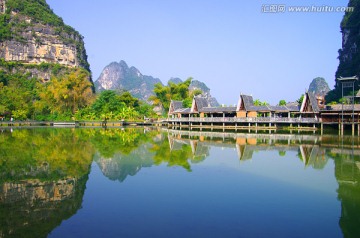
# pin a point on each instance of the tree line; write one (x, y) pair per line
(69, 96)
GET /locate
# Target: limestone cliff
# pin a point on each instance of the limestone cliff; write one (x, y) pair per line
(319, 86)
(349, 54)
(119, 76)
(32, 34)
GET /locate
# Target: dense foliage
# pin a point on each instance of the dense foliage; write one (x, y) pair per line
(26, 15)
(67, 96)
(180, 92)
(349, 55)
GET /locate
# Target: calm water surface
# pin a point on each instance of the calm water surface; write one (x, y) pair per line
(144, 182)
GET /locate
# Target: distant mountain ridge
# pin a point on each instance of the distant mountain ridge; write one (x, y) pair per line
(119, 76)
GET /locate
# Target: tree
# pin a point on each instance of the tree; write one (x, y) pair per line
(257, 102)
(68, 93)
(180, 92)
(300, 100)
(282, 102)
(129, 100)
(107, 101)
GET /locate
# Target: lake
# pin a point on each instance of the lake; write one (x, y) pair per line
(152, 182)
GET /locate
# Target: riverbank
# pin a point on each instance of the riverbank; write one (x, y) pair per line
(78, 123)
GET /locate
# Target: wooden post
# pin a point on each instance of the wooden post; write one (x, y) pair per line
(322, 128)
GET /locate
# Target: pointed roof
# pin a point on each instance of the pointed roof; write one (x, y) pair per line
(174, 106)
(198, 103)
(309, 103)
(245, 103)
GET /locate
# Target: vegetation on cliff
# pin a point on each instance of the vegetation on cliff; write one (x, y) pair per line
(349, 54)
(22, 16)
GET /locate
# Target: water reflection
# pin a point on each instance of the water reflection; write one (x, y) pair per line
(42, 179)
(313, 150)
(43, 172)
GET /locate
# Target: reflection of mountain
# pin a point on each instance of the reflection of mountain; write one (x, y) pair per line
(33, 208)
(121, 165)
(347, 172)
(43, 173)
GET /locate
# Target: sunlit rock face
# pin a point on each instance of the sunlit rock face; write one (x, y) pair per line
(119, 76)
(33, 42)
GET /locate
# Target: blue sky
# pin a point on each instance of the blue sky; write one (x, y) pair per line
(230, 45)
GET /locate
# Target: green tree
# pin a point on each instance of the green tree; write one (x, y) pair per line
(300, 100)
(107, 101)
(282, 102)
(180, 92)
(68, 93)
(129, 100)
(257, 102)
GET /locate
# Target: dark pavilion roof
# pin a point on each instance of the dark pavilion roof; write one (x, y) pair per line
(176, 104)
(293, 106)
(248, 101)
(278, 108)
(218, 109)
(201, 102)
(259, 108)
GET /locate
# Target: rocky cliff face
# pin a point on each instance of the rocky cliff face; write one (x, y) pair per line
(349, 54)
(119, 76)
(319, 86)
(32, 34)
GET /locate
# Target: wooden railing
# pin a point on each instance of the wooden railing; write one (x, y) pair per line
(245, 119)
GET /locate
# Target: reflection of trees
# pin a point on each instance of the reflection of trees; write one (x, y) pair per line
(112, 141)
(42, 179)
(347, 172)
(44, 154)
(123, 152)
(175, 157)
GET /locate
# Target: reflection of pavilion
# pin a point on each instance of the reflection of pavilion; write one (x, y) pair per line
(199, 150)
(247, 144)
(313, 150)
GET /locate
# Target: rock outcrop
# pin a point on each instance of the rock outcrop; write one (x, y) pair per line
(119, 76)
(319, 86)
(349, 54)
(32, 34)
